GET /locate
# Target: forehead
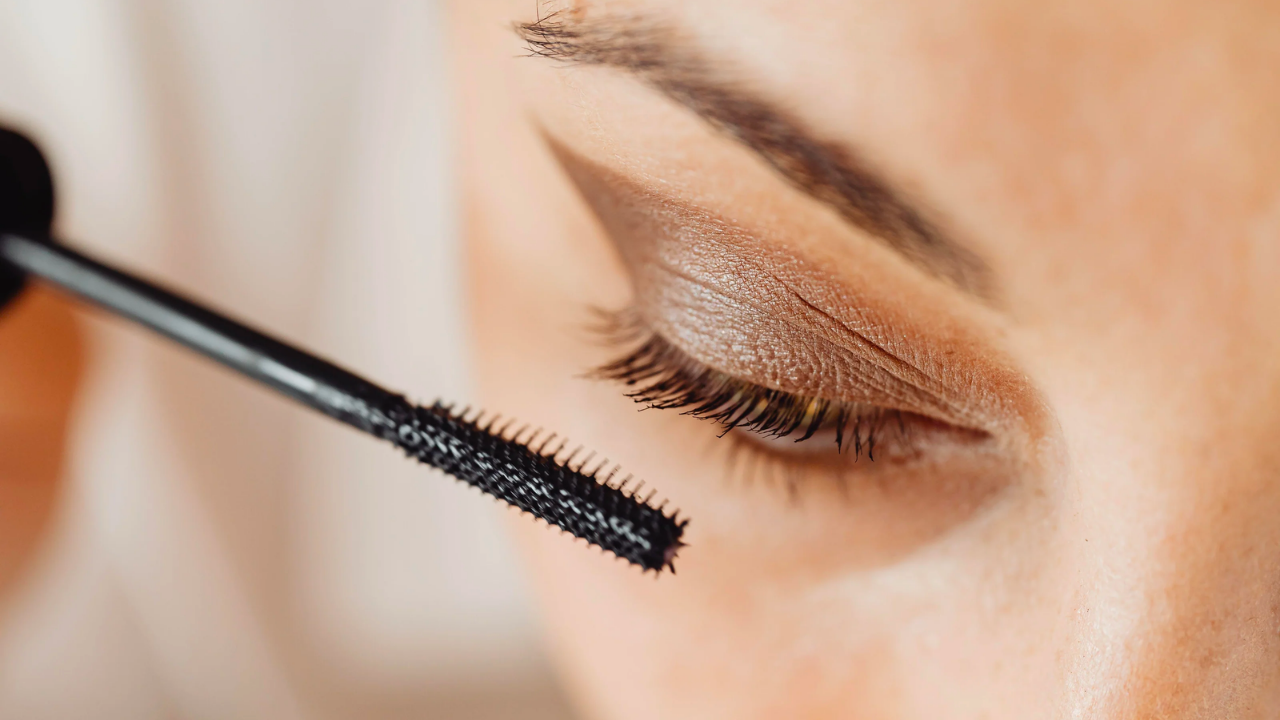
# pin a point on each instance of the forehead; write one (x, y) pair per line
(1092, 120)
(1070, 70)
(1052, 62)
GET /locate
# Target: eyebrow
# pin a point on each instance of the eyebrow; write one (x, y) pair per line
(831, 172)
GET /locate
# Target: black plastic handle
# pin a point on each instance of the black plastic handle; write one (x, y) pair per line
(26, 200)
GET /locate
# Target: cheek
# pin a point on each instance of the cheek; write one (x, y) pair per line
(634, 647)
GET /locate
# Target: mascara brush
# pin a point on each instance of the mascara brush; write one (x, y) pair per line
(520, 468)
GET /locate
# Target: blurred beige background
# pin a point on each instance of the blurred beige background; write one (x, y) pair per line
(219, 553)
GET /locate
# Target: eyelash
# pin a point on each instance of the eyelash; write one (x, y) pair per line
(662, 376)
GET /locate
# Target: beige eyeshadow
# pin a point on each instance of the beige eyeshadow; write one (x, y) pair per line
(771, 314)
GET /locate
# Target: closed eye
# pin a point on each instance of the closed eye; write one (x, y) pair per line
(659, 375)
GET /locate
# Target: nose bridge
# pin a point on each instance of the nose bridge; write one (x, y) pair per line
(1174, 538)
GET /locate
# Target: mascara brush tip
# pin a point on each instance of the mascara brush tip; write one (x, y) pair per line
(555, 489)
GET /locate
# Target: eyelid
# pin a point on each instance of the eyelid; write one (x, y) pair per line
(762, 289)
(774, 336)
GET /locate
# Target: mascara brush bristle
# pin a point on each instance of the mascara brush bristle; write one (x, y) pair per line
(539, 482)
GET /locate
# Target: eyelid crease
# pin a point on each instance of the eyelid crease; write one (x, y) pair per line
(891, 358)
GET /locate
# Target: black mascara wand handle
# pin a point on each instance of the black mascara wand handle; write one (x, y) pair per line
(322, 385)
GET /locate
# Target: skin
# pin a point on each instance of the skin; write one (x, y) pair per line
(1108, 549)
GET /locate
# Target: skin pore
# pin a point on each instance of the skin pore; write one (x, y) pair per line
(1053, 226)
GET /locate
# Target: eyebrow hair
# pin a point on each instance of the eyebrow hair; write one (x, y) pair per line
(833, 173)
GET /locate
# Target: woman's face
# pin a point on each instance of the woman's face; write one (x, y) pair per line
(1024, 255)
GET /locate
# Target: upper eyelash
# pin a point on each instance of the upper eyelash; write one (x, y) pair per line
(663, 376)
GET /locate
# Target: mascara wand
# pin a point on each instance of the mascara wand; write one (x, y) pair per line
(518, 468)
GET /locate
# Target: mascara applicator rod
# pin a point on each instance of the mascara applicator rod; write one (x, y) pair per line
(477, 452)
(321, 385)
